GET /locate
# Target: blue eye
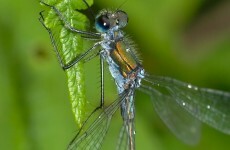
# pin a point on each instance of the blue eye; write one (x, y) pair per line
(102, 23)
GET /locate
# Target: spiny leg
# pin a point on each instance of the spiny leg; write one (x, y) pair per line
(102, 81)
(67, 24)
(41, 19)
(80, 57)
(101, 103)
(76, 59)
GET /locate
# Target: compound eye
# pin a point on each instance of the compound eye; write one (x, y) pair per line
(102, 23)
(122, 19)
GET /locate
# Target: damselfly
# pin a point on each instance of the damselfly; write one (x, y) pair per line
(169, 96)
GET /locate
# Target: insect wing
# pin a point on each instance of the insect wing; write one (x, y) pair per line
(207, 105)
(179, 121)
(93, 136)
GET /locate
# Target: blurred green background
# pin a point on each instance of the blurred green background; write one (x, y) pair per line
(187, 40)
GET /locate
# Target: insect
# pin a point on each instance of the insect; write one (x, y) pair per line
(170, 97)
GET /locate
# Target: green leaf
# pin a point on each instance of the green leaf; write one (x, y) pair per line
(79, 4)
(69, 46)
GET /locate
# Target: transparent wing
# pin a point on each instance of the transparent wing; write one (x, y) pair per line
(126, 140)
(93, 135)
(179, 121)
(122, 140)
(209, 106)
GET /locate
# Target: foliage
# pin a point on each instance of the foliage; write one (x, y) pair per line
(71, 46)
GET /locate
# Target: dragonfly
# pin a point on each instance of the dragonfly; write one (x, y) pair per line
(181, 106)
